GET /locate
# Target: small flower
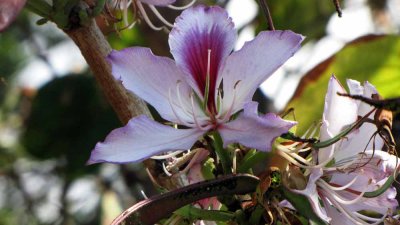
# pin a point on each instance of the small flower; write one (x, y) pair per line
(9, 10)
(137, 5)
(345, 170)
(200, 90)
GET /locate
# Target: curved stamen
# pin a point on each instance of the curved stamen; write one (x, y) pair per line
(178, 95)
(207, 86)
(146, 18)
(229, 111)
(376, 220)
(159, 16)
(196, 154)
(143, 194)
(181, 7)
(165, 170)
(175, 113)
(166, 156)
(340, 188)
(343, 164)
(205, 128)
(349, 215)
(292, 160)
(338, 198)
(294, 155)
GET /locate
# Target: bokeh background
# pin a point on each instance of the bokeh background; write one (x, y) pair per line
(52, 112)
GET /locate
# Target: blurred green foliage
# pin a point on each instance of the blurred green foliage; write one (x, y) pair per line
(308, 18)
(371, 58)
(69, 115)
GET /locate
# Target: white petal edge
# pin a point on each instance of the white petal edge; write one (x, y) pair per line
(246, 69)
(339, 112)
(140, 139)
(254, 131)
(312, 194)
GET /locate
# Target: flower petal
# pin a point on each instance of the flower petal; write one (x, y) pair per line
(375, 165)
(384, 203)
(339, 112)
(355, 88)
(362, 138)
(140, 139)
(9, 10)
(155, 79)
(196, 31)
(337, 217)
(369, 90)
(254, 131)
(312, 194)
(246, 69)
(371, 170)
(157, 2)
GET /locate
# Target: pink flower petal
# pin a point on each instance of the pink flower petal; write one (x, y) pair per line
(246, 69)
(312, 194)
(196, 31)
(254, 131)
(339, 112)
(155, 79)
(140, 139)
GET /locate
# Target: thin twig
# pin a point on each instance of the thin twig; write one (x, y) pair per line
(338, 8)
(264, 6)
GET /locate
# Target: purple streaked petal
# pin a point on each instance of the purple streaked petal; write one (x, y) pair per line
(312, 194)
(9, 10)
(196, 31)
(382, 204)
(157, 2)
(375, 165)
(154, 78)
(370, 172)
(140, 139)
(244, 70)
(339, 112)
(254, 131)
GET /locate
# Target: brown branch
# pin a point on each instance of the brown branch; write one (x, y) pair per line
(94, 48)
(337, 7)
(264, 7)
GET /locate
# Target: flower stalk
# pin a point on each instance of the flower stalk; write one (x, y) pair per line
(223, 155)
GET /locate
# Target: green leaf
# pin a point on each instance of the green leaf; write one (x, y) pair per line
(194, 213)
(370, 58)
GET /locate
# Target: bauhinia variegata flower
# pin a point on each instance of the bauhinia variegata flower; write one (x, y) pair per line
(355, 165)
(200, 90)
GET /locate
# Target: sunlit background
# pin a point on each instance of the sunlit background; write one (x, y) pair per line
(52, 112)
